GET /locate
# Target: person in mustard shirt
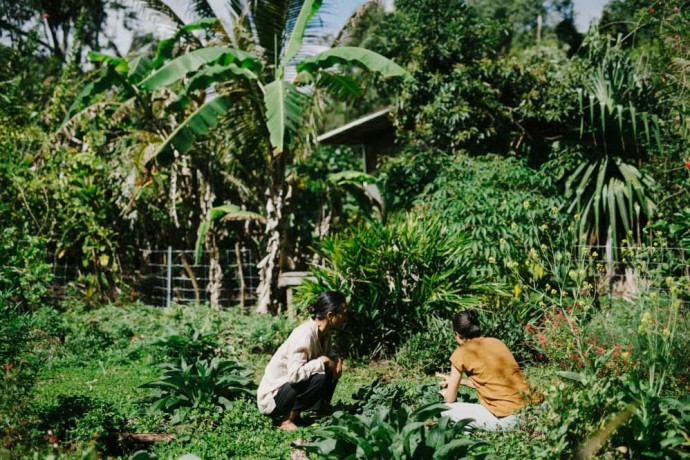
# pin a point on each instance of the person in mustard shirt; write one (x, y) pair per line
(491, 370)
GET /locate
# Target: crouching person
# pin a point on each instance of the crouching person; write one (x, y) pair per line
(491, 370)
(303, 373)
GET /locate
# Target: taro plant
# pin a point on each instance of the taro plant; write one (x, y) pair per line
(371, 397)
(205, 383)
(395, 434)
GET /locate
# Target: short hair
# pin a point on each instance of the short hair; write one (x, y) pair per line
(466, 323)
(327, 302)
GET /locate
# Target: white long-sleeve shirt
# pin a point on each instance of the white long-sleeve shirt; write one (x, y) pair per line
(297, 359)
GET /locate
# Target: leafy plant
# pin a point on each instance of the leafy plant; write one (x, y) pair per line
(396, 275)
(19, 366)
(205, 383)
(268, 336)
(428, 351)
(190, 345)
(394, 433)
(83, 419)
(506, 208)
(369, 398)
(273, 103)
(608, 191)
(25, 274)
(591, 413)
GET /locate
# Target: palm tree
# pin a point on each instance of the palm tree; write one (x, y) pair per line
(213, 81)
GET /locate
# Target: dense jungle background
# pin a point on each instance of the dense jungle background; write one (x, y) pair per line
(169, 213)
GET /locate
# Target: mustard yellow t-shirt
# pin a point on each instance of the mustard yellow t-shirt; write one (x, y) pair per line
(496, 375)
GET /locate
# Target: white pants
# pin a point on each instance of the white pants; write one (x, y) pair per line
(483, 419)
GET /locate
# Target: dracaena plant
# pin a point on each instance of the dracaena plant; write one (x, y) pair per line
(399, 434)
(183, 386)
(253, 92)
(608, 192)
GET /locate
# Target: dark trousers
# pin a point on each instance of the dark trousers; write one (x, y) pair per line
(312, 394)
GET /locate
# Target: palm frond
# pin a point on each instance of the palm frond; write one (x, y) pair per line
(201, 9)
(162, 8)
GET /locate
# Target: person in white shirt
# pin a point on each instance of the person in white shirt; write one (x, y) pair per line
(303, 373)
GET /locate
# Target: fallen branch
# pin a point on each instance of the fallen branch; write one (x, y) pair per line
(147, 438)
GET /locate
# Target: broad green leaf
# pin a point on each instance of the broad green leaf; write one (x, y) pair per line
(227, 212)
(342, 86)
(458, 448)
(352, 177)
(201, 233)
(179, 67)
(120, 65)
(166, 46)
(429, 411)
(575, 376)
(350, 55)
(284, 105)
(216, 73)
(139, 67)
(106, 80)
(309, 9)
(198, 123)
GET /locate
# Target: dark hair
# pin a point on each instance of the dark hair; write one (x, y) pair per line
(327, 302)
(466, 323)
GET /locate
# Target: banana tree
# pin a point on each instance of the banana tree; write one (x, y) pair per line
(210, 82)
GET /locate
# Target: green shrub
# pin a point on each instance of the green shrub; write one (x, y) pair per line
(82, 420)
(88, 339)
(399, 433)
(268, 336)
(241, 432)
(506, 208)
(621, 414)
(190, 345)
(428, 351)
(25, 273)
(396, 276)
(205, 383)
(19, 366)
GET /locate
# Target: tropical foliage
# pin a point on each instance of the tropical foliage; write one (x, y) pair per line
(519, 146)
(396, 276)
(181, 387)
(398, 433)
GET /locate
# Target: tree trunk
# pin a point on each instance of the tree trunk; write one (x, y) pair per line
(269, 267)
(215, 272)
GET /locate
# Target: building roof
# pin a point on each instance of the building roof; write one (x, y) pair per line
(363, 130)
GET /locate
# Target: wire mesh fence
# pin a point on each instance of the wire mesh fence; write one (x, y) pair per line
(172, 276)
(167, 276)
(630, 271)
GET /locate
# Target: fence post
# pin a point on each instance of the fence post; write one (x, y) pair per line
(168, 289)
(609, 257)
